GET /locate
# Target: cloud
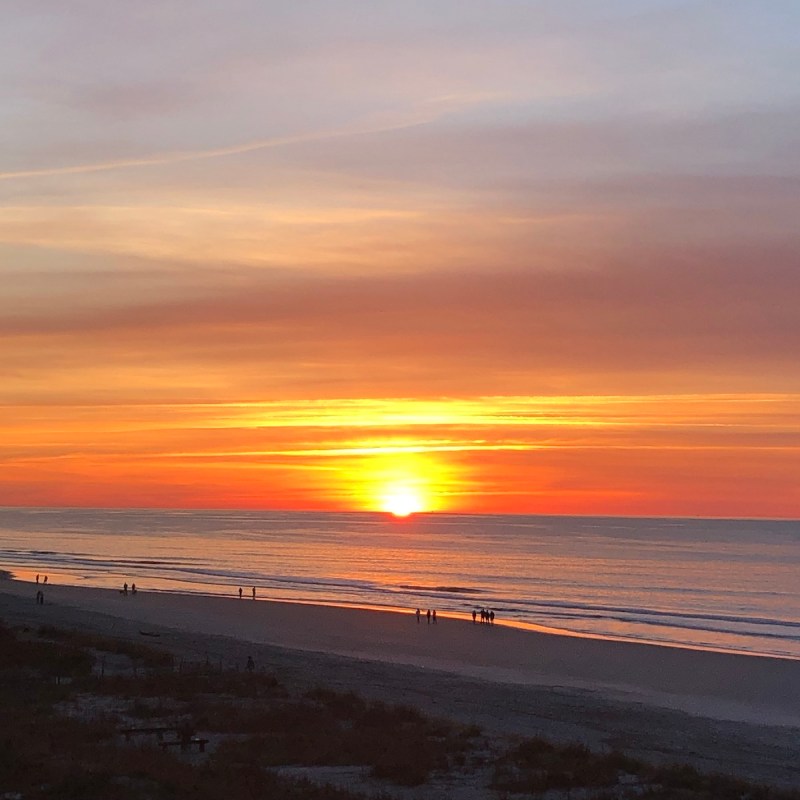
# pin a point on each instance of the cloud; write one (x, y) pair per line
(401, 121)
(710, 321)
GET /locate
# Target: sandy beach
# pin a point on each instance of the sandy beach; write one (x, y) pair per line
(726, 712)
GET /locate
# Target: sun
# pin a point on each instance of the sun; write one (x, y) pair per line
(402, 502)
(398, 483)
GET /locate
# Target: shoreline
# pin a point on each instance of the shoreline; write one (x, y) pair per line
(720, 685)
(505, 622)
(725, 713)
(531, 627)
(585, 586)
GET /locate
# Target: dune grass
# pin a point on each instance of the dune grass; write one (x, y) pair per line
(62, 725)
(536, 766)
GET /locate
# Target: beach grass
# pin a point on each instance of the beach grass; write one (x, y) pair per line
(62, 723)
(536, 766)
(140, 654)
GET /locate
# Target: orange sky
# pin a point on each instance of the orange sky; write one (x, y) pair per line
(708, 455)
(532, 258)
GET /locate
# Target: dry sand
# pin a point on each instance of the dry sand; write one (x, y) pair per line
(725, 712)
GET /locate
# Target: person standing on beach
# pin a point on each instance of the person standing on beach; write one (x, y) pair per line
(240, 592)
(434, 616)
(125, 588)
(428, 615)
(418, 615)
(37, 577)
(254, 593)
(474, 614)
(251, 665)
(45, 579)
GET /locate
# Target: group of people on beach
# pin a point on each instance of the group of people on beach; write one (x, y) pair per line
(486, 614)
(240, 593)
(124, 589)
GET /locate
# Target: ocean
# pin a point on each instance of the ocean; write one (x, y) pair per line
(718, 584)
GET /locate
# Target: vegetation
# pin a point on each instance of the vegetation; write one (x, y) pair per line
(141, 655)
(69, 731)
(537, 766)
(326, 728)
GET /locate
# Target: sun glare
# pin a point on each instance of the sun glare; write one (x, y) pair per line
(402, 502)
(399, 483)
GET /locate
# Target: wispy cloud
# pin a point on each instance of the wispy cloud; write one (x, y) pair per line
(379, 123)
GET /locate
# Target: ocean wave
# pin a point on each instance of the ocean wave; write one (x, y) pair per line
(445, 589)
(643, 612)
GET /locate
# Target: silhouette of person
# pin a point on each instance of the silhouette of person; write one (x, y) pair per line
(474, 614)
(125, 588)
(429, 616)
(491, 617)
(418, 615)
(240, 592)
(251, 665)
(37, 577)
(434, 616)
(45, 579)
(133, 588)
(254, 593)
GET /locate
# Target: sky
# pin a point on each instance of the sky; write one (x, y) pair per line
(523, 256)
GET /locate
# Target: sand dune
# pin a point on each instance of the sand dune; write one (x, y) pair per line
(744, 709)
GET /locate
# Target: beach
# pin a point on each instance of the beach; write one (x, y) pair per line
(716, 584)
(738, 714)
